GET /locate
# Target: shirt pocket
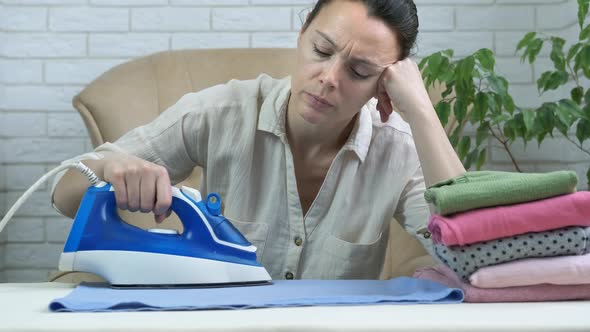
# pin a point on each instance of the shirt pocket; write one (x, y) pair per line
(256, 233)
(341, 259)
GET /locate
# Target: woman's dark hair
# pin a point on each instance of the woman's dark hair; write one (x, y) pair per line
(400, 15)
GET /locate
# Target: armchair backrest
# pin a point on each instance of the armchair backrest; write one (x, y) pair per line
(135, 92)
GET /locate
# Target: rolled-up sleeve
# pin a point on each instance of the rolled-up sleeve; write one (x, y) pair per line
(412, 211)
(162, 141)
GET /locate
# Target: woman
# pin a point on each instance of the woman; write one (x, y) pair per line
(306, 168)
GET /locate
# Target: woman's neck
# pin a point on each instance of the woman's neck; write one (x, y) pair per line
(310, 140)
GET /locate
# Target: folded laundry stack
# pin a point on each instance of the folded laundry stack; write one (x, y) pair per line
(506, 236)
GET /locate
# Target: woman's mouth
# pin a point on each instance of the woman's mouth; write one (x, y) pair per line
(316, 102)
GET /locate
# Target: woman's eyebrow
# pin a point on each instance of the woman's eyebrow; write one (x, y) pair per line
(353, 59)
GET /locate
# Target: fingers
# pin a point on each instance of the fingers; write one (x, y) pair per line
(147, 189)
(117, 179)
(140, 186)
(161, 217)
(163, 196)
(383, 103)
(132, 180)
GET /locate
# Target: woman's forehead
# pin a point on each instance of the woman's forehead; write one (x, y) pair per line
(346, 24)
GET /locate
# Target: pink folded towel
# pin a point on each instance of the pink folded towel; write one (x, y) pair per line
(562, 270)
(503, 221)
(537, 293)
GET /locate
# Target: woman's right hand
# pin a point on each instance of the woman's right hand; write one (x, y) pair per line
(139, 185)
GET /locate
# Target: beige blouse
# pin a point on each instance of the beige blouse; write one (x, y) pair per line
(236, 133)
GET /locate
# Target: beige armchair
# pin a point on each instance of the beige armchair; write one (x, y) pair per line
(135, 92)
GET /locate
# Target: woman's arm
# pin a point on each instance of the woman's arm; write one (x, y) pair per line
(71, 186)
(402, 84)
(437, 157)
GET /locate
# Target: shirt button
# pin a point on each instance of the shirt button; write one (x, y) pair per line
(298, 241)
(289, 276)
(424, 232)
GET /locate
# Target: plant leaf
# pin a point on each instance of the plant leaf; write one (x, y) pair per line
(481, 159)
(480, 106)
(565, 116)
(434, 64)
(534, 49)
(464, 146)
(573, 51)
(493, 105)
(581, 59)
(526, 40)
(583, 130)
(482, 133)
(460, 110)
(573, 108)
(508, 103)
(449, 89)
(529, 119)
(555, 80)
(509, 131)
(547, 118)
(519, 126)
(486, 58)
(542, 81)
(471, 157)
(577, 94)
(556, 54)
(466, 68)
(449, 52)
(454, 138)
(423, 62)
(497, 85)
(586, 56)
(582, 12)
(443, 110)
(541, 137)
(500, 118)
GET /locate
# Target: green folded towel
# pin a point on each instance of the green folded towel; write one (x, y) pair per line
(479, 189)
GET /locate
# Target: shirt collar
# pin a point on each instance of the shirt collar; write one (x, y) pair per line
(274, 110)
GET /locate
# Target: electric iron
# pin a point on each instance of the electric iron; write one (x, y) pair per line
(209, 252)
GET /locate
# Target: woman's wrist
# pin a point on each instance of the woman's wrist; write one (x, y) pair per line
(422, 116)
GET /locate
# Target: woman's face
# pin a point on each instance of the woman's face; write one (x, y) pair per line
(340, 58)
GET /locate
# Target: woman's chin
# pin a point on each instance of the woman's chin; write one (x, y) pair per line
(313, 117)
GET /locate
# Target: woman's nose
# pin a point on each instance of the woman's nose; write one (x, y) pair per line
(330, 73)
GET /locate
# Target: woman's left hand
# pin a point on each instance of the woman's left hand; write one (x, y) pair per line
(401, 84)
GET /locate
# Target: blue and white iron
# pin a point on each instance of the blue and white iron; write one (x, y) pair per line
(210, 250)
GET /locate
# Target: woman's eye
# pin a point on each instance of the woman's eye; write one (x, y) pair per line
(357, 75)
(320, 53)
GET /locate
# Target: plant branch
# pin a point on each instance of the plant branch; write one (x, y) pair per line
(579, 146)
(574, 74)
(504, 143)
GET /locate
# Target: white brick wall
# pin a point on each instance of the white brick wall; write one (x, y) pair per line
(50, 49)
(88, 19)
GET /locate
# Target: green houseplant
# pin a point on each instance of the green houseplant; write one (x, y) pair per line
(573, 66)
(472, 92)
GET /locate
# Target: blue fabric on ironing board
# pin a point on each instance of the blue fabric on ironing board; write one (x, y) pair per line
(282, 293)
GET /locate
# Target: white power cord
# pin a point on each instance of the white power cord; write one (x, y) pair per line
(78, 166)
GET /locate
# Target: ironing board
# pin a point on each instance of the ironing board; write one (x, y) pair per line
(24, 308)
